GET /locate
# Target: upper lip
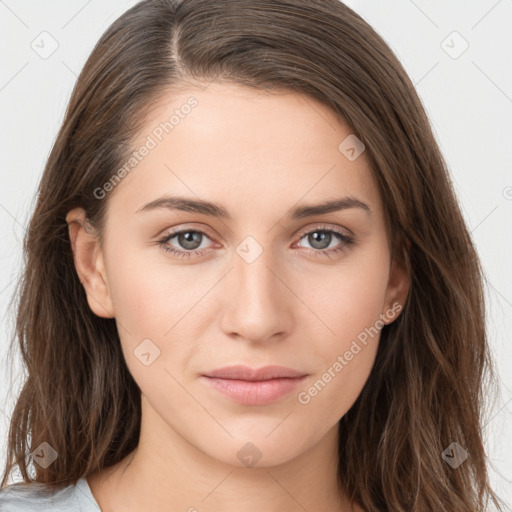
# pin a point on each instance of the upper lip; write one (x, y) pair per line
(254, 374)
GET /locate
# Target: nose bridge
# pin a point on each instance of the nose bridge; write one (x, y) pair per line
(257, 305)
(252, 268)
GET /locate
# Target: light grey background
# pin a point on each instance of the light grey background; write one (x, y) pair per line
(467, 94)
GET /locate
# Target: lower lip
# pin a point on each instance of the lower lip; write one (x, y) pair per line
(254, 392)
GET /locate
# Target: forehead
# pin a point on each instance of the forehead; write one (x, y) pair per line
(232, 144)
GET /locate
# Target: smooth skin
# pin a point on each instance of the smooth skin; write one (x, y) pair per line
(259, 155)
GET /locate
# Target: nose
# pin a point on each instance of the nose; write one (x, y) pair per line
(257, 301)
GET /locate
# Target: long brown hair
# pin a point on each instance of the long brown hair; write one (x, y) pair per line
(428, 386)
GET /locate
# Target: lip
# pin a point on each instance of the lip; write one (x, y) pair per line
(250, 386)
(242, 372)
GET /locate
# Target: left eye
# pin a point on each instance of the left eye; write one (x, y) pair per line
(190, 242)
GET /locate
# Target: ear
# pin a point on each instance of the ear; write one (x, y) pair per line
(398, 285)
(89, 264)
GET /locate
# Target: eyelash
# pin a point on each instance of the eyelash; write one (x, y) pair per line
(346, 242)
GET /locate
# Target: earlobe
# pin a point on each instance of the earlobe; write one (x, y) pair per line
(89, 263)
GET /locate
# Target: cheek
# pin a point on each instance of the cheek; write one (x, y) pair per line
(149, 296)
(349, 297)
(157, 301)
(344, 360)
(350, 307)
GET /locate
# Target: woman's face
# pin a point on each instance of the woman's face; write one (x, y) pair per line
(261, 274)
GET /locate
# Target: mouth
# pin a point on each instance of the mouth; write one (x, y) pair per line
(249, 386)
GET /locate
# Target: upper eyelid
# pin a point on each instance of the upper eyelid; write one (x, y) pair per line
(324, 227)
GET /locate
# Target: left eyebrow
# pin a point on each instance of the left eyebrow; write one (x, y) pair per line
(335, 205)
(216, 210)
